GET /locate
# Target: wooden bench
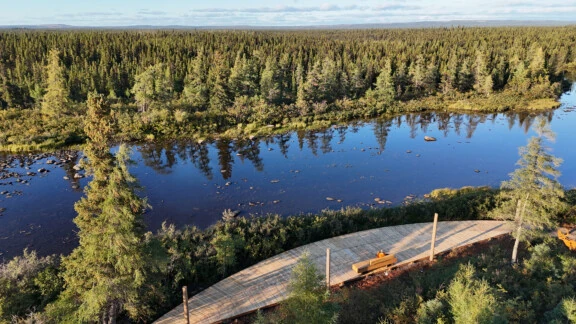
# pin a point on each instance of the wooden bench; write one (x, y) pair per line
(374, 264)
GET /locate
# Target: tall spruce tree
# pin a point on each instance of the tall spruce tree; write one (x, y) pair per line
(533, 195)
(244, 78)
(270, 86)
(55, 100)
(384, 92)
(482, 78)
(220, 98)
(106, 272)
(195, 92)
(154, 85)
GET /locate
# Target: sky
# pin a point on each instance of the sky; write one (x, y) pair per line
(274, 13)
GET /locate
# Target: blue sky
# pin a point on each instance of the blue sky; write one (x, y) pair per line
(275, 13)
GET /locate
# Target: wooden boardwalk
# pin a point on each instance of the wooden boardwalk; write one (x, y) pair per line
(266, 283)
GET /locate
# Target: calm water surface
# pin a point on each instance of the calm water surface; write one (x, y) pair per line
(190, 183)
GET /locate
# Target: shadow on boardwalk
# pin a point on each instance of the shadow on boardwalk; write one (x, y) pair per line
(266, 283)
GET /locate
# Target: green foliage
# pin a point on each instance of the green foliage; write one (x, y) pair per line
(430, 312)
(217, 80)
(226, 246)
(384, 93)
(444, 193)
(473, 288)
(565, 312)
(471, 300)
(220, 98)
(307, 302)
(153, 87)
(106, 274)
(195, 92)
(533, 196)
(55, 100)
(27, 284)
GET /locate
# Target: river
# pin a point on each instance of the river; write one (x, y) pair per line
(191, 184)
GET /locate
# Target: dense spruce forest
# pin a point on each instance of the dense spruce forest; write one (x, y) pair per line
(168, 84)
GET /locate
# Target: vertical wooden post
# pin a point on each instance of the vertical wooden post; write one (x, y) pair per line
(185, 303)
(433, 237)
(328, 268)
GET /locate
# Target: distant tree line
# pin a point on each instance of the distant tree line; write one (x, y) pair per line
(235, 72)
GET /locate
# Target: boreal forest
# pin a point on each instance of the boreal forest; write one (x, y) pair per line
(168, 84)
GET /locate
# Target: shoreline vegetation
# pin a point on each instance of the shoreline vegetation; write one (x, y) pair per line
(166, 85)
(199, 258)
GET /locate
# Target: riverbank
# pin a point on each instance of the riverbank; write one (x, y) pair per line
(190, 256)
(29, 131)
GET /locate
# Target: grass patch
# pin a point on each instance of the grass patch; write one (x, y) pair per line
(542, 104)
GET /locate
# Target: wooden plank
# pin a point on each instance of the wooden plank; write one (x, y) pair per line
(266, 283)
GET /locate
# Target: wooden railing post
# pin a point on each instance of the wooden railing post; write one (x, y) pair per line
(433, 237)
(185, 303)
(328, 268)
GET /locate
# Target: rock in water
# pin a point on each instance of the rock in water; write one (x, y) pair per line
(429, 139)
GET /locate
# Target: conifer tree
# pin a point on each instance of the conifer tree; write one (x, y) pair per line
(269, 83)
(152, 86)
(243, 77)
(226, 245)
(482, 78)
(533, 195)
(308, 91)
(431, 78)
(55, 100)
(195, 92)
(105, 273)
(218, 84)
(471, 299)
(384, 91)
(357, 81)
(519, 80)
(308, 300)
(449, 78)
(465, 78)
(417, 72)
(537, 65)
